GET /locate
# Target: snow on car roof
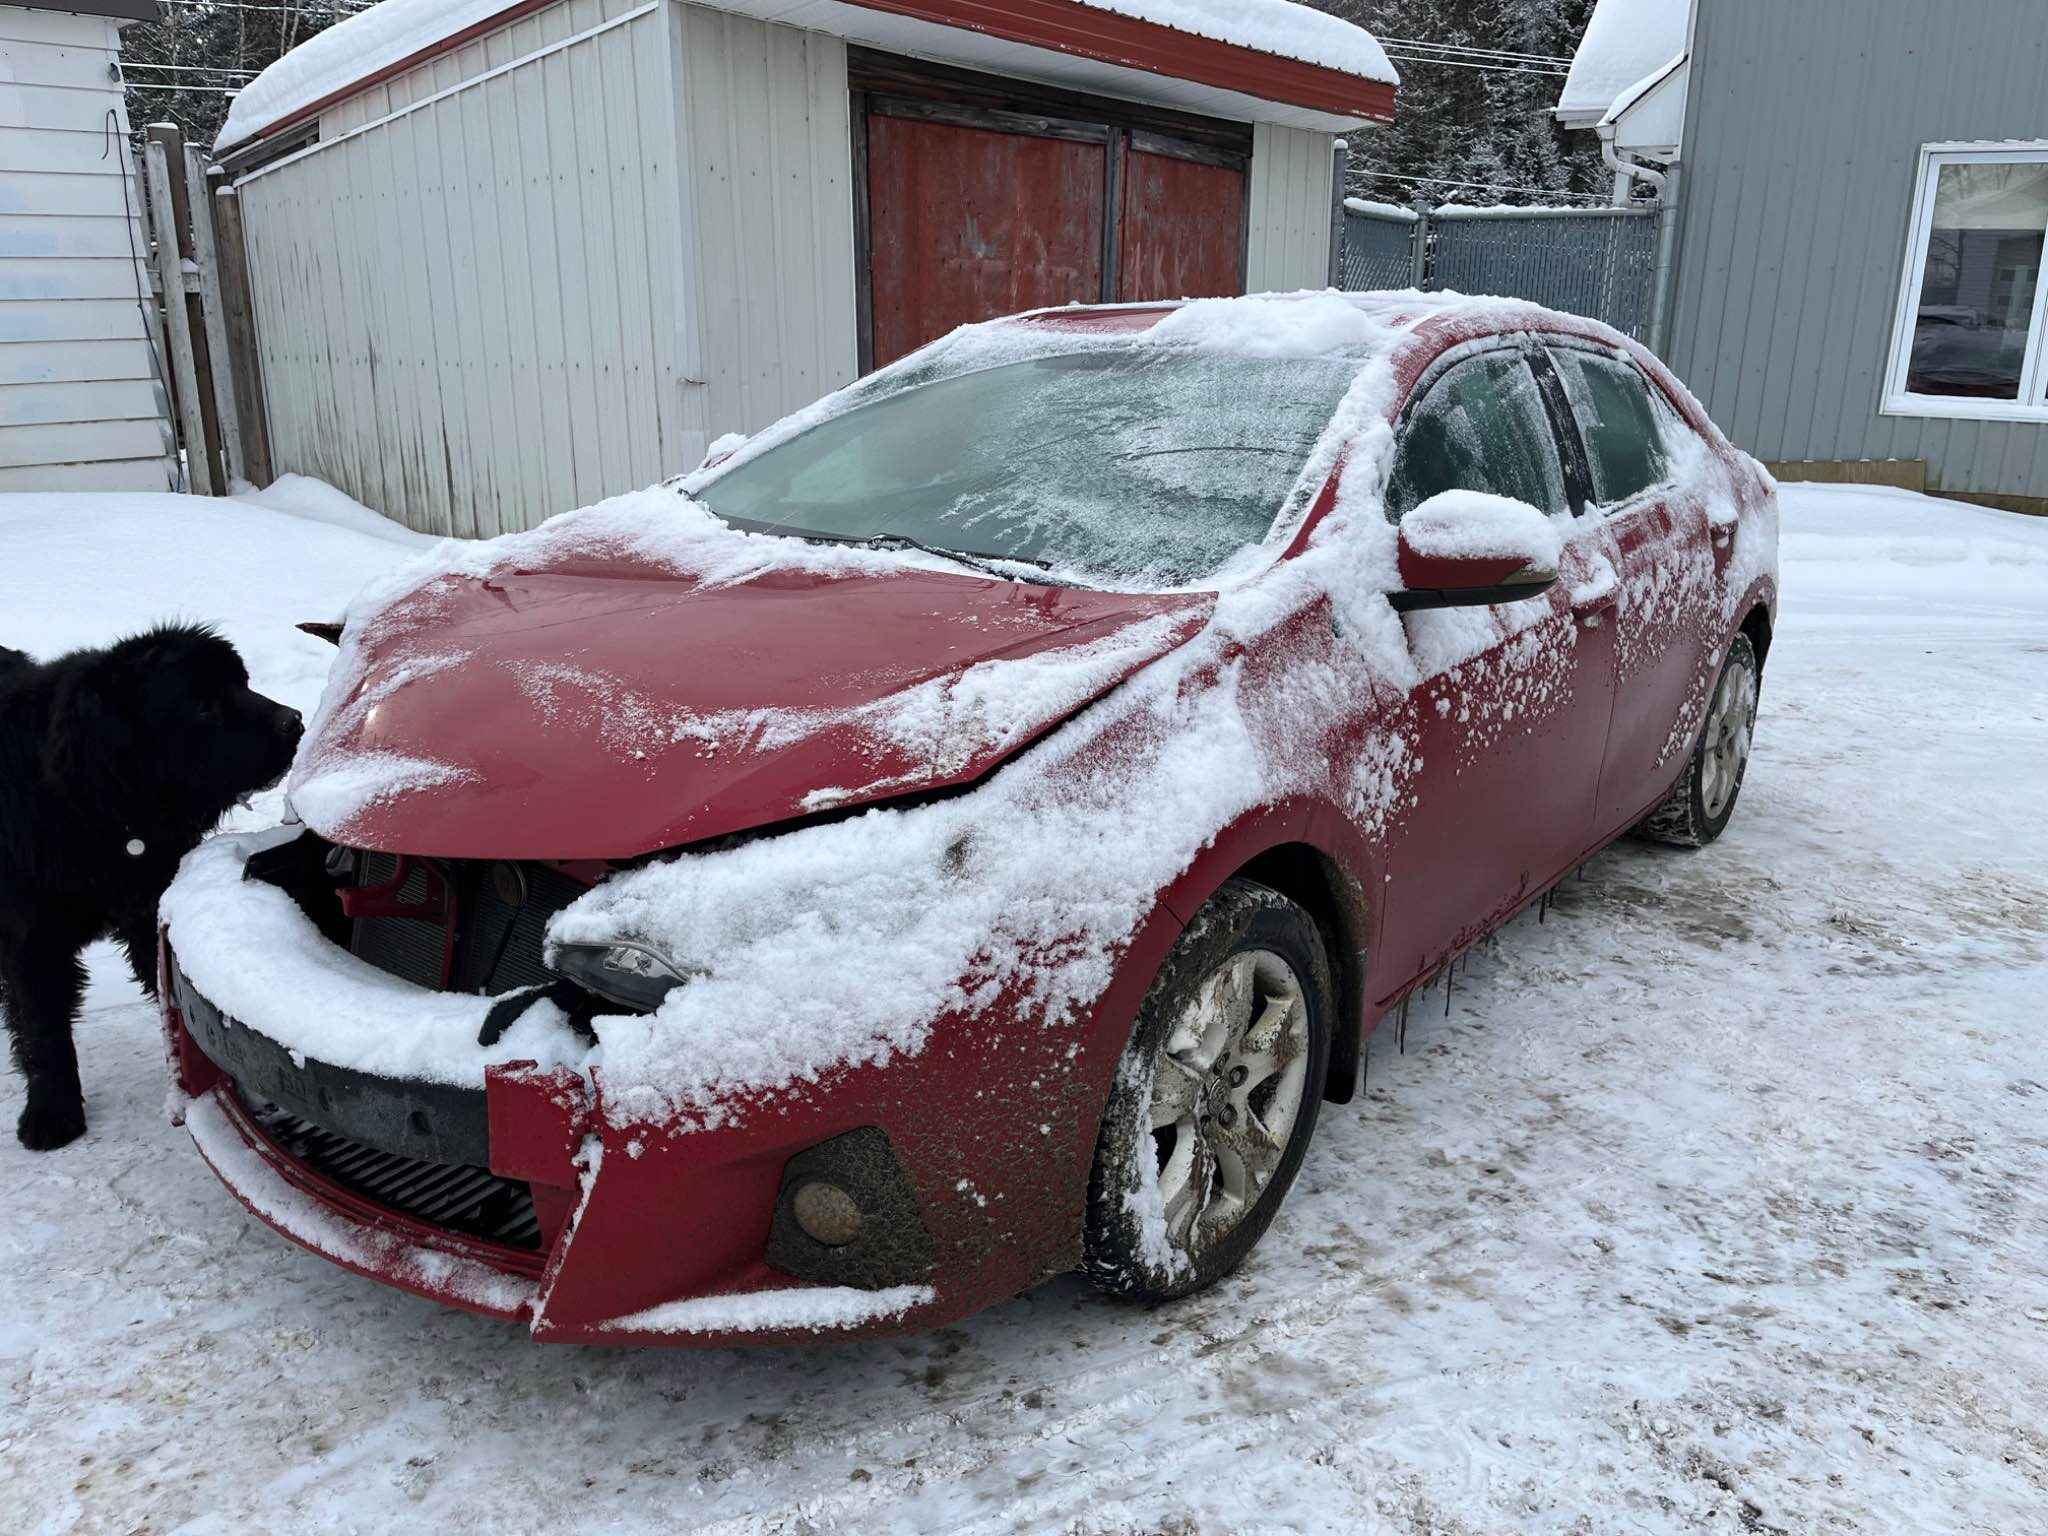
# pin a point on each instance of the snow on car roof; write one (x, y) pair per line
(1626, 42)
(395, 33)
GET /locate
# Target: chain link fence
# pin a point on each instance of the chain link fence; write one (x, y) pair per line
(1597, 262)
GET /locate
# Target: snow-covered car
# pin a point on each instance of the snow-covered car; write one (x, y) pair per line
(965, 833)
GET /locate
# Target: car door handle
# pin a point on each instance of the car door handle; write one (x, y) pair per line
(1591, 611)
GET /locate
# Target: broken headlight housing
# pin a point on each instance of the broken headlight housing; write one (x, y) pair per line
(624, 971)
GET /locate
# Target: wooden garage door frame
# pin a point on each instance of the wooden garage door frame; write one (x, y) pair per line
(887, 85)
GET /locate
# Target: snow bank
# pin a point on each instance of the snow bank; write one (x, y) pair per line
(374, 40)
(1472, 525)
(809, 1309)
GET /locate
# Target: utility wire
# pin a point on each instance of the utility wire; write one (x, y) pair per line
(1416, 42)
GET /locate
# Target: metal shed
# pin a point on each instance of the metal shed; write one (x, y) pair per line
(510, 261)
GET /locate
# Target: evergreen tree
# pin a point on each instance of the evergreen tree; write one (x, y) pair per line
(181, 68)
(1491, 127)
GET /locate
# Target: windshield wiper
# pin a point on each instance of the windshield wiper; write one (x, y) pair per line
(989, 564)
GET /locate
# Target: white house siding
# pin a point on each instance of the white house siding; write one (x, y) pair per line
(465, 305)
(1292, 198)
(79, 405)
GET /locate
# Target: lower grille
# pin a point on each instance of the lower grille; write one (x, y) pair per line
(472, 1201)
(497, 943)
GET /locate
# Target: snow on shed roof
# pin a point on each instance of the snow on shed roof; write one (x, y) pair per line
(1269, 60)
(1626, 42)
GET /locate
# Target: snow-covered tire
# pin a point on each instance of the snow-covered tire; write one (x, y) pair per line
(1231, 1046)
(1702, 802)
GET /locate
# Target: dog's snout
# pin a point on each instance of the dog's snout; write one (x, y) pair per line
(290, 723)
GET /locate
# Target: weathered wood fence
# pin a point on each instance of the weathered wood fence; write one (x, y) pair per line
(200, 276)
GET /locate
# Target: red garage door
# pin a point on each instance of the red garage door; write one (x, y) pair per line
(977, 201)
(968, 223)
(1183, 224)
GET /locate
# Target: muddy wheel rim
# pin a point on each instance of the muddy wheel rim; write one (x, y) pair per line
(1731, 721)
(1228, 1089)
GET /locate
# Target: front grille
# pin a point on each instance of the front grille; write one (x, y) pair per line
(497, 944)
(472, 1201)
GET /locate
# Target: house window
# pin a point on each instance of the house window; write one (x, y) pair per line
(1972, 338)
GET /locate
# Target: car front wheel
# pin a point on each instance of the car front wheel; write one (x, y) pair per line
(1702, 802)
(1215, 1099)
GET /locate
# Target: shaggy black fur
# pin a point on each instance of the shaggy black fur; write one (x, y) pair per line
(150, 742)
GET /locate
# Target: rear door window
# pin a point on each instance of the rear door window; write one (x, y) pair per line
(1481, 427)
(1625, 446)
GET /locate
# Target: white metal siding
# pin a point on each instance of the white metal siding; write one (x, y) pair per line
(1803, 139)
(80, 408)
(509, 300)
(766, 136)
(465, 312)
(1291, 203)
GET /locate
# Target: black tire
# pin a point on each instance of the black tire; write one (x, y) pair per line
(1129, 1249)
(1694, 813)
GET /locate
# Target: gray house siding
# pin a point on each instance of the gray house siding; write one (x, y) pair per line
(1803, 138)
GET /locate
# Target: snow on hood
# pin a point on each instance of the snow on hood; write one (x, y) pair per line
(639, 676)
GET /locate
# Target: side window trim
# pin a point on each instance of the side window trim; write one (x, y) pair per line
(1517, 346)
(1564, 426)
(1651, 389)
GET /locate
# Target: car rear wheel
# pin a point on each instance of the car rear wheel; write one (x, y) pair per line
(1215, 1099)
(1702, 802)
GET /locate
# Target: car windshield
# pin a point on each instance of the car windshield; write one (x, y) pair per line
(1135, 465)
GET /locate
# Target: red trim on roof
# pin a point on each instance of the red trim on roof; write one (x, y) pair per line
(1058, 26)
(1067, 26)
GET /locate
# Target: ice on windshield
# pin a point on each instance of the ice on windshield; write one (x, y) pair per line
(1137, 465)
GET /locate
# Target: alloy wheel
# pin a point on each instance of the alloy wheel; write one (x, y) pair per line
(1731, 722)
(1229, 1086)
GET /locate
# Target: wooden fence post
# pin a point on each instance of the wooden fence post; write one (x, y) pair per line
(173, 142)
(170, 267)
(205, 251)
(245, 366)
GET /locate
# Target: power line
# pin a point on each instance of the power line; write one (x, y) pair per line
(1495, 53)
(195, 69)
(1435, 62)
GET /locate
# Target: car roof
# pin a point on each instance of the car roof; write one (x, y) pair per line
(1449, 318)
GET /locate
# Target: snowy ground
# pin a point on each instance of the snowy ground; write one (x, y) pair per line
(1716, 1202)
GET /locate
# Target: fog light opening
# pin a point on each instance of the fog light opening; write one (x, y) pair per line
(827, 1213)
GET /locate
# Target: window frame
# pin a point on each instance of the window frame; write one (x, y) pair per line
(1527, 348)
(1656, 490)
(2032, 404)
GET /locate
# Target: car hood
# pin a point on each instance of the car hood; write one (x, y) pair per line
(610, 708)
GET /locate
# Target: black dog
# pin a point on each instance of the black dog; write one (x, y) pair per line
(113, 764)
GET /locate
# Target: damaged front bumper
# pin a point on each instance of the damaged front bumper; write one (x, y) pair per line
(519, 1201)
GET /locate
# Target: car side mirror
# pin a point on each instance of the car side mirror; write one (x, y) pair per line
(1467, 549)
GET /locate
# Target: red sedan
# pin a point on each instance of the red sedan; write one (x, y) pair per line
(967, 832)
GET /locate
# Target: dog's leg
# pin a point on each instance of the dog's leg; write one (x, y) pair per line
(136, 932)
(43, 980)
